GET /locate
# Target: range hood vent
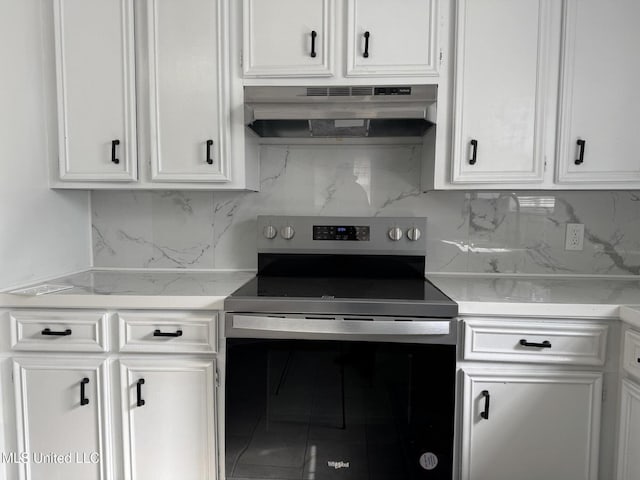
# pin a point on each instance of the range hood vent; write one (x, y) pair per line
(337, 112)
(339, 91)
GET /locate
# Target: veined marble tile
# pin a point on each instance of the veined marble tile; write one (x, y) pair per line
(612, 231)
(525, 232)
(505, 232)
(340, 180)
(153, 229)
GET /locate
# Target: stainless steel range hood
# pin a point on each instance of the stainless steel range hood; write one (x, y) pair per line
(337, 112)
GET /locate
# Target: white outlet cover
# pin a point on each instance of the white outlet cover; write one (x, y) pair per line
(574, 239)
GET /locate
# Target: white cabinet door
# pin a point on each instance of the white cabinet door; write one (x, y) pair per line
(529, 426)
(169, 419)
(187, 90)
(502, 71)
(629, 441)
(600, 98)
(62, 410)
(96, 90)
(386, 38)
(288, 38)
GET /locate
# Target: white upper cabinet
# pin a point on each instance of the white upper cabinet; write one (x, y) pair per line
(187, 87)
(501, 83)
(96, 90)
(179, 126)
(288, 38)
(386, 38)
(600, 98)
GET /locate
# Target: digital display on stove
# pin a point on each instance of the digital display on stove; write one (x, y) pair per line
(358, 233)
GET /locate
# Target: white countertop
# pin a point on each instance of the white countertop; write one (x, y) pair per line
(537, 296)
(631, 315)
(540, 296)
(187, 290)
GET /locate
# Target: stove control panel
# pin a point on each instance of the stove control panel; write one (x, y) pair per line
(351, 235)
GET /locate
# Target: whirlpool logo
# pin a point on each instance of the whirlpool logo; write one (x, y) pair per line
(337, 465)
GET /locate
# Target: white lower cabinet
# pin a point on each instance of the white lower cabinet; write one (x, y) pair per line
(629, 440)
(529, 425)
(169, 419)
(62, 418)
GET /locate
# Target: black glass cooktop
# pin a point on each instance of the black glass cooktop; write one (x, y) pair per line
(342, 288)
(346, 295)
(341, 284)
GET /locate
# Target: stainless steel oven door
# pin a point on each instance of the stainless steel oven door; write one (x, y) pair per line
(441, 331)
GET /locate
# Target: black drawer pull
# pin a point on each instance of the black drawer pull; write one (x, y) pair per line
(209, 145)
(474, 152)
(158, 333)
(487, 399)
(83, 399)
(114, 158)
(581, 145)
(545, 344)
(140, 402)
(638, 359)
(366, 44)
(313, 43)
(52, 333)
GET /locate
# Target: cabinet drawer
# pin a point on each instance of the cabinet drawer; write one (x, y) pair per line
(535, 342)
(170, 333)
(632, 353)
(59, 331)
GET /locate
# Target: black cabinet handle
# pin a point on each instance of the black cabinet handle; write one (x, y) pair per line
(366, 44)
(209, 145)
(49, 332)
(580, 159)
(487, 399)
(474, 152)
(313, 43)
(114, 144)
(545, 344)
(83, 399)
(140, 402)
(158, 333)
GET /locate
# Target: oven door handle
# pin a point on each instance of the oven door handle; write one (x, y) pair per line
(341, 327)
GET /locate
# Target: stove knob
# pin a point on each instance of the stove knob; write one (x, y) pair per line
(287, 232)
(395, 234)
(270, 232)
(414, 234)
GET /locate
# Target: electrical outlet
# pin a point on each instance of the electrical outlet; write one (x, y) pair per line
(575, 236)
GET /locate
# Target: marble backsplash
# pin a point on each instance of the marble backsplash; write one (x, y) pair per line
(508, 232)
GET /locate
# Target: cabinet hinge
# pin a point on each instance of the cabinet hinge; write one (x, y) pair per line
(604, 394)
(441, 55)
(241, 60)
(217, 378)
